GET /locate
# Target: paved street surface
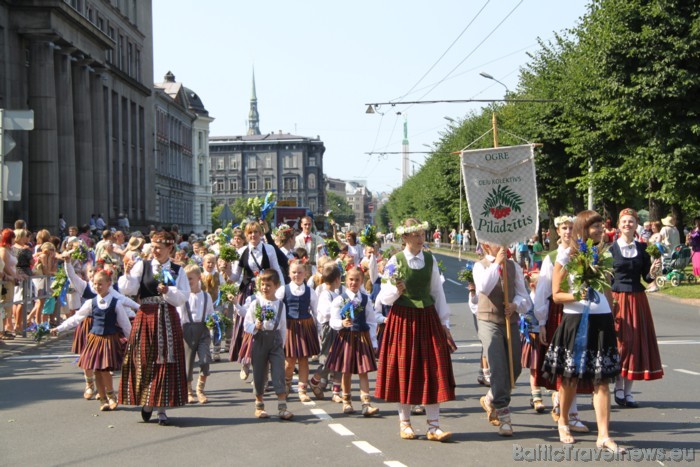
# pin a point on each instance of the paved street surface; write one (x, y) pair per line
(45, 421)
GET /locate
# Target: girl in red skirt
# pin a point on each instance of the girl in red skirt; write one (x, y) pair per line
(353, 350)
(636, 337)
(103, 351)
(302, 336)
(415, 367)
(153, 373)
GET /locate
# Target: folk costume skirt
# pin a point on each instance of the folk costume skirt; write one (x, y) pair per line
(148, 377)
(556, 313)
(351, 352)
(302, 338)
(602, 361)
(415, 366)
(636, 338)
(102, 353)
(238, 333)
(245, 353)
(80, 336)
(530, 350)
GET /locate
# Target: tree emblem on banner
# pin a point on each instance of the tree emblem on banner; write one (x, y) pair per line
(501, 201)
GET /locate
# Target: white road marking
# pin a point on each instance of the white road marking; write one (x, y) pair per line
(678, 342)
(309, 404)
(322, 414)
(455, 282)
(394, 464)
(340, 429)
(468, 345)
(41, 357)
(365, 446)
(687, 372)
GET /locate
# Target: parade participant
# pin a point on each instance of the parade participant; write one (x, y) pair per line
(103, 351)
(549, 315)
(415, 367)
(494, 315)
(327, 292)
(265, 320)
(212, 279)
(193, 316)
(301, 304)
(693, 239)
(9, 276)
(634, 325)
(354, 348)
(602, 362)
(254, 258)
(306, 239)
(530, 345)
(355, 249)
(153, 373)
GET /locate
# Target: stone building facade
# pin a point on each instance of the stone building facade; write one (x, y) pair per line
(85, 67)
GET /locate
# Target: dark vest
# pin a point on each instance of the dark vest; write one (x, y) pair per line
(491, 306)
(629, 271)
(298, 307)
(248, 274)
(88, 293)
(149, 286)
(360, 321)
(104, 322)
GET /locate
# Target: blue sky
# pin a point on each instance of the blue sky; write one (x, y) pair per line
(318, 62)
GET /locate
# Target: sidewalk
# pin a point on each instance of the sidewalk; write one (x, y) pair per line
(21, 344)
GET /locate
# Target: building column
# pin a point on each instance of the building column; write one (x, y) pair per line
(99, 145)
(66, 139)
(82, 117)
(43, 142)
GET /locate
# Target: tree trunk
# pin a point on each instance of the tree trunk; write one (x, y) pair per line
(656, 206)
(680, 220)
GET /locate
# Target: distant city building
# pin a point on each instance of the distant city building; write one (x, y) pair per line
(360, 200)
(250, 165)
(183, 191)
(337, 186)
(86, 69)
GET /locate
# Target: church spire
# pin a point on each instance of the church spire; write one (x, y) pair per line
(253, 117)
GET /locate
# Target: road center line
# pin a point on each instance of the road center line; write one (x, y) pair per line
(455, 282)
(685, 342)
(41, 357)
(394, 464)
(322, 414)
(365, 446)
(340, 429)
(687, 372)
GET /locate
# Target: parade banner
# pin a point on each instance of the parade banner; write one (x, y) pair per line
(501, 193)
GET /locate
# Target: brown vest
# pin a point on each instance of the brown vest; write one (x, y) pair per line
(491, 306)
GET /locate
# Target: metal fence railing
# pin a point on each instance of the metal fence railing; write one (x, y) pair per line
(30, 294)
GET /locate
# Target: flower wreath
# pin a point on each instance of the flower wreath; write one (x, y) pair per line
(402, 230)
(561, 219)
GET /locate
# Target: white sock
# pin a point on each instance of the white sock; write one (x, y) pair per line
(574, 406)
(405, 412)
(628, 387)
(432, 412)
(489, 396)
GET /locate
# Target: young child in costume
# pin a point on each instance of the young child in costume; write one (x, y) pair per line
(193, 316)
(212, 279)
(530, 345)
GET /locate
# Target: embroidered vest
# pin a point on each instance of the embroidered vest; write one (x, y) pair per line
(149, 286)
(298, 307)
(360, 321)
(491, 306)
(104, 322)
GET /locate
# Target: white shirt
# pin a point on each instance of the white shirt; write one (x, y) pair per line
(336, 321)
(79, 284)
(196, 301)
(176, 294)
(629, 250)
(102, 303)
(389, 294)
(249, 322)
(325, 300)
(485, 279)
(298, 291)
(600, 308)
(256, 252)
(310, 246)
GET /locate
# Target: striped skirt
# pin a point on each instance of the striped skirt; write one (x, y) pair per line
(144, 381)
(236, 338)
(415, 366)
(302, 338)
(636, 338)
(80, 336)
(102, 353)
(351, 352)
(530, 351)
(245, 354)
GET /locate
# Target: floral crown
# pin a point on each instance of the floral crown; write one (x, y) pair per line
(562, 219)
(402, 230)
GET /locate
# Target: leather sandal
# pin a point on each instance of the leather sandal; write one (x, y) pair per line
(607, 444)
(565, 434)
(555, 408)
(406, 431)
(283, 413)
(260, 411)
(576, 425)
(436, 434)
(490, 411)
(538, 406)
(317, 390)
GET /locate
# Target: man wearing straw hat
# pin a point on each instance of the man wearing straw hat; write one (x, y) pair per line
(670, 237)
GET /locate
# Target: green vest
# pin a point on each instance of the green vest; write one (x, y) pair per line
(417, 293)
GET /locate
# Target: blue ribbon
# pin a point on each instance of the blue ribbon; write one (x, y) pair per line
(218, 299)
(217, 323)
(348, 310)
(267, 206)
(64, 291)
(525, 328)
(168, 277)
(581, 340)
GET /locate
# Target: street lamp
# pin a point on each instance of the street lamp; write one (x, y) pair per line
(488, 76)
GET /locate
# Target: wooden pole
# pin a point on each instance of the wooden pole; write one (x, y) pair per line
(506, 302)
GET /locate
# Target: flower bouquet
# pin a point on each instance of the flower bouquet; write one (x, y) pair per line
(348, 309)
(654, 251)
(39, 331)
(165, 277)
(261, 209)
(466, 275)
(368, 236)
(228, 292)
(219, 323)
(589, 273)
(227, 252)
(392, 274)
(80, 253)
(265, 314)
(389, 252)
(59, 281)
(332, 248)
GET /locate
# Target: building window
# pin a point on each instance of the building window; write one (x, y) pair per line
(233, 185)
(219, 163)
(290, 184)
(312, 204)
(220, 186)
(121, 52)
(312, 161)
(268, 183)
(200, 140)
(252, 184)
(252, 162)
(290, 161)
(201, 214)
(268, 161)
(312, 182)
(233, 162)
(201, 174)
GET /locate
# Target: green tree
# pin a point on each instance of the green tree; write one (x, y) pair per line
(342, 211)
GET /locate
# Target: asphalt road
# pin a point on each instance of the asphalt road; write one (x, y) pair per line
(45, 421)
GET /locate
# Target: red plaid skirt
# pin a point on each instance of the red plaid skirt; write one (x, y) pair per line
(556, 313)
(145, 382)
(351, 352)
(102, 353)
(245, 355)
(80, 336)
(636, 338)
(302, 338)
(415, 366)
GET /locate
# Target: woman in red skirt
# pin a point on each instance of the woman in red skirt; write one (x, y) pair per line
(415, 367)
(103, 350)
(636, 338)
(153, 373)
